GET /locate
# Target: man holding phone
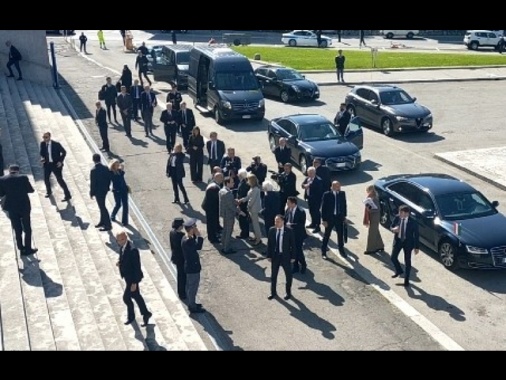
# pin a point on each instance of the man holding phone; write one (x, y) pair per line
(191, 244)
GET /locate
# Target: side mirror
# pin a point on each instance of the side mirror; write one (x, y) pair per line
(292, 139)
(495, 203)
(414, 99)
(211, 85)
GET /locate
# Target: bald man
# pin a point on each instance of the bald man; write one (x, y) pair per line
(130, 269)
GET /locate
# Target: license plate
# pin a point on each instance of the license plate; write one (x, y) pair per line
(341, 165)
(246, 116)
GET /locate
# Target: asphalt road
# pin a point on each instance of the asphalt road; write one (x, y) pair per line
(464, 307)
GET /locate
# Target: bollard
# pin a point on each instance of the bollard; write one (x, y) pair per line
(55, 70)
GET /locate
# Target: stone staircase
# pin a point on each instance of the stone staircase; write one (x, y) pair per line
(69, 295)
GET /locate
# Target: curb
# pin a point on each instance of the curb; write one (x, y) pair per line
(476, 174)
(354, 83)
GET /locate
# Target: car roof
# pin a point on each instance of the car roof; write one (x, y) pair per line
(274, 67)
(378, 87)
(436, 183)
(179, 47)
(305, 118)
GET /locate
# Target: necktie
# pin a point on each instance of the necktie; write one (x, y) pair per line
(184, 117)
(278, 240)
(402, 234)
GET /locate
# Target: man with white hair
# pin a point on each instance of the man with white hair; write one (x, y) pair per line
(313, 192)
(242, 191)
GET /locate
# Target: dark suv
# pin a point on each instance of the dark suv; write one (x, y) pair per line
(388, 108)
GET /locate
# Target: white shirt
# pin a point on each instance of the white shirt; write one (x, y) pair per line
(49, 151)
(173, 161)
(335, 202)
(213, 150)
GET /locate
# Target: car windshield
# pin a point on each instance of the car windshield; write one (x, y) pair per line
(183, 58)
(389, 98)
(318, 131)
(288, 74)
(464, 205)
(236, 80)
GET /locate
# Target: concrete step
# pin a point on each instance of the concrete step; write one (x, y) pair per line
(104, 269)
(164, 319)
(48, 320)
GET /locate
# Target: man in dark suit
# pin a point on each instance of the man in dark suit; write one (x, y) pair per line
(52, 155)
(15, 188)
(14, 59)
(295, 219)
(287, 182)
(211, 206)
(313, 192)
(109, 94)
(230, 162)
(323, 172)
(148, 104)
(170, 119)
(187, 122)
(100, 183)
(281, 252)
(342, 119)
(136, 92)
(176, 235)
(242, 191)
(101, 122)
(283, 154)
(174, 97)
(129, 265)
(334, 211)
(125, 106)
(406, 238)
(215, 150)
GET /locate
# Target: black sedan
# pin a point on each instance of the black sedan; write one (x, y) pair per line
(455, 220)
(313, 136)
(388, 108)
(286, 83)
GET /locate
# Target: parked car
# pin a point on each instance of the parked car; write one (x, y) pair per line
(313, 136)
(409, 34)
(454, 219)
(389, 108)
(476, 39)
(304, 38)
(285, 83)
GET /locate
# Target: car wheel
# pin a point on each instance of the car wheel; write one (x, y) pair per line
(386, 126)
(292, 43)
(284, 96)
(390, 36)
(352, 111)
(303, 164)
(448, 256)
(272, 142)
(410, 35)
(324, 44)
(474, 45)
(385, 215)
(217, 116)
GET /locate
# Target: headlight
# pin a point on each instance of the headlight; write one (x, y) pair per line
(261, 103)
(226, 104)
(402, 118)
(295, 88)
(476, 250)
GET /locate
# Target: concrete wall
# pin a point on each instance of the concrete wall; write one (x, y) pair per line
(32, 45)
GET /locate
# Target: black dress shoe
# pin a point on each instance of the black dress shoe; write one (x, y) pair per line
(369, 252)
(145, 319)
(317, 230)
(197, 310)
(287, 297)
(182, 297)
(324, 256)
(129, 321)
(272, 296)
(176, 201)
(28, 252)
(98, 225)
(406, 284)
(48, 195)
(397, 275)
(10, 76)
(342, 253)
(102, 229)
(66, 199)
(20, 78)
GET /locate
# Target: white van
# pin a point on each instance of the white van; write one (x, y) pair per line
(409, 34)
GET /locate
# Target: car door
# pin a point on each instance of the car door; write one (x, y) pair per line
(261, 75)
(354, 132)
(292, 139)
(492, 39)
(374, 110)
(271, 84)
(311, 39)
(164, 67)
(360, 100)
(279, 131)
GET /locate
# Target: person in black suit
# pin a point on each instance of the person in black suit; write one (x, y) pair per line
(334, 211)
(196, 152)
(15, 188)
(258, 168)
(175, 171)
(342, 119)
(129, 265)
(211, 206)
(230, 162)
(215, 151)
(136, 92)
(125, 106)
(142, 65)
(170, 120)
(101, 122)
(148, 104)
(287, 182)
(270, 205)
(126, 78)
(176, 235)
(100, 183)
(406, 238)
(174, 97)
(283, 154)
(109, 94)
(242, 191)
(323, 172)
(14, 59)
(313, 192)
(186, 123)
(281, 252)
(52, 155)
(295, 219)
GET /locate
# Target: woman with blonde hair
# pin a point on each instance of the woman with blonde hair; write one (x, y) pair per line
(270, 205)
(372, 221)
(254, 206)
(120, 191)
(175, 171)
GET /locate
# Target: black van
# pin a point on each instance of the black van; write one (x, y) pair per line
(223, 82)
(171, 65)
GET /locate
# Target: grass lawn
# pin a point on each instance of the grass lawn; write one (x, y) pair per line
(323, 59)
